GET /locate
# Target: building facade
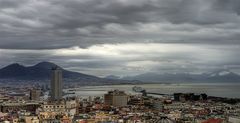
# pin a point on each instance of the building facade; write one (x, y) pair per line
(56, 84)
(35, 94)
(116, 98)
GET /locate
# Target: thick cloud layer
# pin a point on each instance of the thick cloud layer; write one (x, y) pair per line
(35, 30)
(133, 58)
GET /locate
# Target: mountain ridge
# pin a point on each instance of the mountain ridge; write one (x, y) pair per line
(42, 71)
(215, 76)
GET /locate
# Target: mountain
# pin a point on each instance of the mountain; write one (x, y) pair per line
(42, 72)
(215, 76)
(223, 75)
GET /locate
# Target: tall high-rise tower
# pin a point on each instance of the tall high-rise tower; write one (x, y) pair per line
(56, 84)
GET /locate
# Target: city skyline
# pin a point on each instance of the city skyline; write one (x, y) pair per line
(119, 61)
(122, 37)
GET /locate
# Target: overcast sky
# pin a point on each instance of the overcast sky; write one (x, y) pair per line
(122, 37)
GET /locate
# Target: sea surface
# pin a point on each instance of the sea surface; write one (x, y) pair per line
(230, 90)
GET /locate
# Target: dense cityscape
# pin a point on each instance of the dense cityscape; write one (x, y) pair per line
(119, 61)
(34, 104)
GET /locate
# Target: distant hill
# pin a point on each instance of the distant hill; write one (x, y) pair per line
(215, 76)
(42, 72)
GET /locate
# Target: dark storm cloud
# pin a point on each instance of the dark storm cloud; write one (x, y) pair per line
(231, 6)
(11, 3)
(32, 24)
(114, 35)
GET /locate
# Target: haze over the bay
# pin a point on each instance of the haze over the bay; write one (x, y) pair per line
(122, 37)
